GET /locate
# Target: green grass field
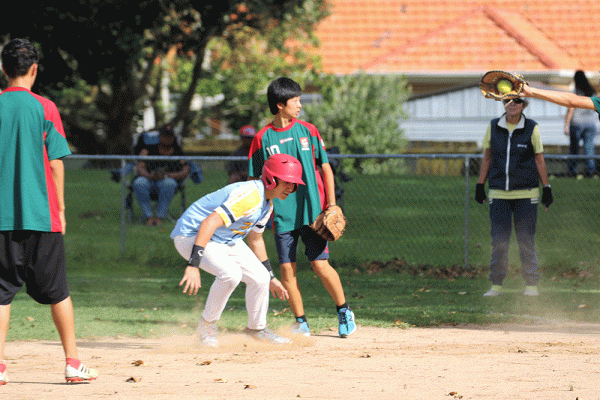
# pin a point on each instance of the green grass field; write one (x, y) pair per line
(417, 222)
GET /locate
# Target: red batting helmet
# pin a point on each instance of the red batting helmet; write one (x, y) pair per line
(247, 131)
(284, 167)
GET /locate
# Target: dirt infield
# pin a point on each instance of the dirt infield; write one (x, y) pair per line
(548, 361)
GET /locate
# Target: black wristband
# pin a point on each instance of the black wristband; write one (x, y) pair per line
(267, 265)
(480, 196)
(196, 256)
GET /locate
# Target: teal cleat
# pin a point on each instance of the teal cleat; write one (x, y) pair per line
(347, 325)
(301, 328)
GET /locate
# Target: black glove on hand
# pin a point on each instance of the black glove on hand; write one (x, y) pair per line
(480, 196)
(547, 198)
(196, 256)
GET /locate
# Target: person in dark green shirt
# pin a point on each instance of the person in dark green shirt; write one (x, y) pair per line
(32, 215)
(291, 217)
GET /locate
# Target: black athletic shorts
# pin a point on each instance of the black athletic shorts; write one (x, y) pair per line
(36, 259)
(315, 247)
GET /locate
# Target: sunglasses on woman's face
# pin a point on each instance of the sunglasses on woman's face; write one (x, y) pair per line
(516, 101)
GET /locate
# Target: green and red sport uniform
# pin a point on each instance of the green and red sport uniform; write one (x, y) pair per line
(596, 101)
(303, 141)
(31, 134)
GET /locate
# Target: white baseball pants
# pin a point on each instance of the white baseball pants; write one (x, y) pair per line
(231, 264)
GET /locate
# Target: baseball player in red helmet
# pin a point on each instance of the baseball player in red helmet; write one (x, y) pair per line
(209, 235)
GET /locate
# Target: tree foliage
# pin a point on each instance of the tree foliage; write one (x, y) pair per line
(360, 114)
(244, 60)
(247, 61)
(109, 48)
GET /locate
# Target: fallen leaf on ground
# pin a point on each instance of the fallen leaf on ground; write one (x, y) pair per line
(249, 387)
(220, 380)
(207, 362)
(133, 379)
(137, 363)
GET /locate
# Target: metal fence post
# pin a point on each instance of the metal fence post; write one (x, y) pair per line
(467, 163)
(123, 195)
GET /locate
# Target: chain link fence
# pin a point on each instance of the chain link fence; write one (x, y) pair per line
(425, 215)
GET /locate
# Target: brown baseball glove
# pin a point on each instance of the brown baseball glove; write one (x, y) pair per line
(501, 85)
(330, 224)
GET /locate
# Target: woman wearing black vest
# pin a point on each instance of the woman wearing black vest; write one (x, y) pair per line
(513, 164)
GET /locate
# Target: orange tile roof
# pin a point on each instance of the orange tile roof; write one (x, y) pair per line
(459, 35)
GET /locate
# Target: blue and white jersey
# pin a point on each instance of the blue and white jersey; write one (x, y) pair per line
(242, 206)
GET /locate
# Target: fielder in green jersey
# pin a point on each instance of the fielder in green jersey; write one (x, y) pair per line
(302, 141)
(291, 217)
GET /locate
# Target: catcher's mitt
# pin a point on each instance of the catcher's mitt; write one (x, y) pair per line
(510, 88)
(330, 224)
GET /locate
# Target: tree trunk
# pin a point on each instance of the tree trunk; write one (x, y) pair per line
(183, 108)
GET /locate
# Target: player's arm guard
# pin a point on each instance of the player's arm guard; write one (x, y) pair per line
(267, 265)
(196, 256)
(330, 223)
(489, 85)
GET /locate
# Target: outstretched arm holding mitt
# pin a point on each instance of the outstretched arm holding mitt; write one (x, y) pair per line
(566, 99)
(492, 87)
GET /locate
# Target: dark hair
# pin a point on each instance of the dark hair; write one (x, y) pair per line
(582, 84)
(167, 130)
(280, 91)
(18, 56)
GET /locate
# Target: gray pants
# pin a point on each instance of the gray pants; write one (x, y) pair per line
(524, 213)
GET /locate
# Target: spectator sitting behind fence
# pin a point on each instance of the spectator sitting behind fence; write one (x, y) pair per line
(580, 125)
(238, 170)
(513, 164)
(159, 177)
